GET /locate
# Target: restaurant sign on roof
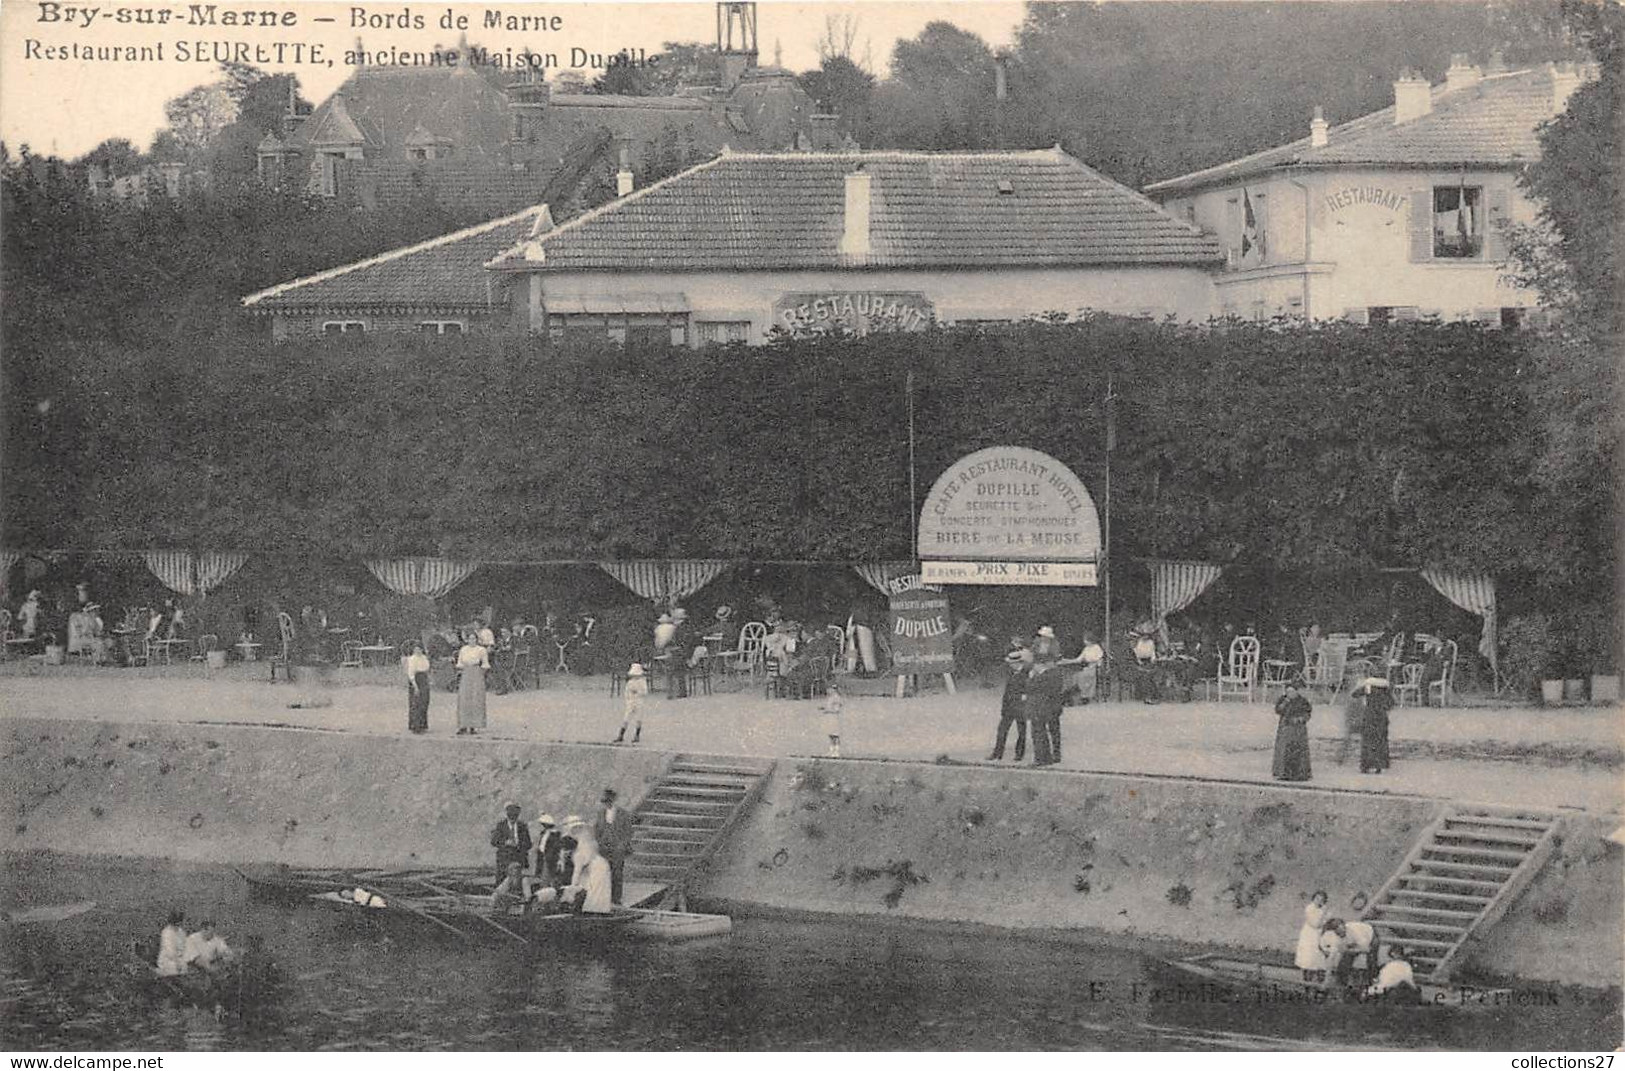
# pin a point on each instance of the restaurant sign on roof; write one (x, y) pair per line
(1009, 504)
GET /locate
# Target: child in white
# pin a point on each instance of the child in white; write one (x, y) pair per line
(1308, 958)
(636, 691)
(832, 720)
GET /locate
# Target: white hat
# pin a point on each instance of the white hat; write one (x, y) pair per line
(1047, 632)
(544, 819)
(572, 821)
(664, 619)
(679, 614)
(636, 670)
(725, 611)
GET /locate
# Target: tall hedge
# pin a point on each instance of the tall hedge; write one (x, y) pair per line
(1304, 446)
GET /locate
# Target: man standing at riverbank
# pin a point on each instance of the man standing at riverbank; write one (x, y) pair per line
(613, 832)
(511, 839)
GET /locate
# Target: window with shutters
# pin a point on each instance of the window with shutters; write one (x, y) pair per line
(344, 327)
(721, 332)
(1458, 222)
(442, 327)
(1391, 314)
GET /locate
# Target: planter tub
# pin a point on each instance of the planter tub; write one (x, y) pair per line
(1551, 693)
(217, 659)
(55, 655)
(1574, 690)
(1605, 687)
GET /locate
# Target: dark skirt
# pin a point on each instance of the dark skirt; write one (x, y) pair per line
(417, 704)
(1291, 751)
(1374, 739)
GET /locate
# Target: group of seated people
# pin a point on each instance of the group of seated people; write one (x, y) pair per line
(202, 951)
(568, 873)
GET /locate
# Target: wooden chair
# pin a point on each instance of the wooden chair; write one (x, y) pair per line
(285, 659)
(699, 677)
(1240, 675)
(752, 644)
(838, 657)
(350, 654)
(1447, 683)
(1332, 664)
(1409, 684)
(1314, 665)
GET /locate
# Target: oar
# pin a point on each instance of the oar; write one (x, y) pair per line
(483, 918)
(395, 901)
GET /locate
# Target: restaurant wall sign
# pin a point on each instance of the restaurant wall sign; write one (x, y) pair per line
(996, 515)
(858, 311)
(921, 632)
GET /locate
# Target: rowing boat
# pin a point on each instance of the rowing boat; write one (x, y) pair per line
(458, 901)
(1222, 979)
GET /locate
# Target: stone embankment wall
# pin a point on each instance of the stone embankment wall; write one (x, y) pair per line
(1214, 864)
(234, 794)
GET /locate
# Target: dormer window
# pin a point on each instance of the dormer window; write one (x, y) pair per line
(1006, 188)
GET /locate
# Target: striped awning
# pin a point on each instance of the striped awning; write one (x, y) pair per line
(663, 581)
(1475, 593)
(432, 578)
(186, 573)
(1175, 585)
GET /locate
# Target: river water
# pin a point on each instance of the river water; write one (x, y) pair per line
(772, 984)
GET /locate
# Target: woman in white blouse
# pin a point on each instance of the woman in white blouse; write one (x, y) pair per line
(1309, 959)
(416, 664)
(472, 662)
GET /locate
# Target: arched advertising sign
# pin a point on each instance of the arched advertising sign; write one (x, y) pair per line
(1009, 515)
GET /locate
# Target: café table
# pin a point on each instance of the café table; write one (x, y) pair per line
(248, 650)
(381, 651)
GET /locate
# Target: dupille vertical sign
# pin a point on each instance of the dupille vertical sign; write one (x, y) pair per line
(921, 629)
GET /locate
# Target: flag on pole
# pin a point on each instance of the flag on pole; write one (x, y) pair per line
(1251, 242)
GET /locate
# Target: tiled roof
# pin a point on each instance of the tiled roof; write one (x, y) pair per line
(473, 186)
(1491, 124)
(442, 273)
(766, 211)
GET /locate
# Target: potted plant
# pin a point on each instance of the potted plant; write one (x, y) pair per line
(1596, 640)
(1529, 655)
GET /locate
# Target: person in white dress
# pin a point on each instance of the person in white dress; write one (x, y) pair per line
(172, 946)
(636, 691)
(1308, 958)
(472, 661)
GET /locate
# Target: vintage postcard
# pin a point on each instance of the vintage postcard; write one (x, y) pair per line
(862, 526)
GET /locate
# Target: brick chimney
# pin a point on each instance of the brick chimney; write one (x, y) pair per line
(623, 178)
(1462, 74)
(1413, 98)
(1319, 131)
(855, 235)
(1566, 78)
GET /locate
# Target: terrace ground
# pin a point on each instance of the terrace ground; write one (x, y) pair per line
(1551, 758)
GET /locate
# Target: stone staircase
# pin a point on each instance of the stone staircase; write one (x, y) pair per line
(1467, 868)
(685, 817)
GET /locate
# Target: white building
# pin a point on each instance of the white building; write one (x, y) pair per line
(749, 242)
(1395, 215)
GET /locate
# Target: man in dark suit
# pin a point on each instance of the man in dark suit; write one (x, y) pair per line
(1013, 706)
(1045, 698)
(613, 831)
(511, 839)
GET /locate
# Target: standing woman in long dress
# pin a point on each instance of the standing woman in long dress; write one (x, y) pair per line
(1292, 735)
(1309, 959)
(416, 665)
(1374, 737)
(472, 662)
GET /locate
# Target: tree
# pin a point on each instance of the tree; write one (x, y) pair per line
(117, 155)
(843, 88)
(1572, 260)
(940, 93)
(678, 64)
(197, 115)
